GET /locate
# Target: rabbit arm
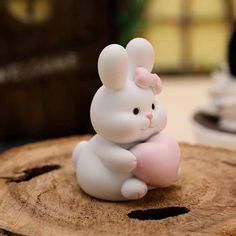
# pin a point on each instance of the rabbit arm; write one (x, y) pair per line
(117, 159)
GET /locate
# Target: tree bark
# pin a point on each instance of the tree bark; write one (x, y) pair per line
(39, 195)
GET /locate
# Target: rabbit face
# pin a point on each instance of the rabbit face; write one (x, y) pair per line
(124, 110)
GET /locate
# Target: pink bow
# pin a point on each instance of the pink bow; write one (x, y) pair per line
(144, 79)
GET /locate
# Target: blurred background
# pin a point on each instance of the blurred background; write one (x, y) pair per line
(49, 51)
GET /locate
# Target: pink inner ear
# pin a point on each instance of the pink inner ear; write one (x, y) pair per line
(144, 79)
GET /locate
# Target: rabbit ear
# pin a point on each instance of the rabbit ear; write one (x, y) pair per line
(141, 54)
(113, 66)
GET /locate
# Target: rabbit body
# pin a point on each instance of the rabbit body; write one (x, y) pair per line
(124, 113)
(100, 170)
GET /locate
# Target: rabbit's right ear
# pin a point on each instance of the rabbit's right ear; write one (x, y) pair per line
(113, 66)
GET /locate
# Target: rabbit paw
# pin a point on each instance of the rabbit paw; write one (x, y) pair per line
(133, 189)
(129, 163)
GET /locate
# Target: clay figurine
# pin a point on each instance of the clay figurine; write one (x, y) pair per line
(129, 155)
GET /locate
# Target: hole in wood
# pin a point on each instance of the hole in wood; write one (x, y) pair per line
(31, 173)
(158, 214)
(4, 232)
(229, 163)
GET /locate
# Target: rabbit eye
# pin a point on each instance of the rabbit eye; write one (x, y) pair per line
(153, 106)
(136, 111)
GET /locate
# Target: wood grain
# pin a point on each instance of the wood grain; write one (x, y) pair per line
(39, 196)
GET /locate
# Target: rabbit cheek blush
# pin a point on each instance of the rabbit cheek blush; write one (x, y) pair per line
(129, 153)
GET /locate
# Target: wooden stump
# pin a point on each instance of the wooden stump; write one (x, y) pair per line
(39, 196)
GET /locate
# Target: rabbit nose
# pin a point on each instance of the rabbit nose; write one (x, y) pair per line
(149, 116)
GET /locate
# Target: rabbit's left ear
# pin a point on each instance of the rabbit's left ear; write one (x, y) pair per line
(141, 54)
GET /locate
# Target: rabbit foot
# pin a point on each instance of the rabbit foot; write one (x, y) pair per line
(133, 189)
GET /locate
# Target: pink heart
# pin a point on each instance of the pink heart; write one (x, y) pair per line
(158, 161)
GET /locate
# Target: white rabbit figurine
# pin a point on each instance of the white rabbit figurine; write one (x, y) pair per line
(128, 155)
